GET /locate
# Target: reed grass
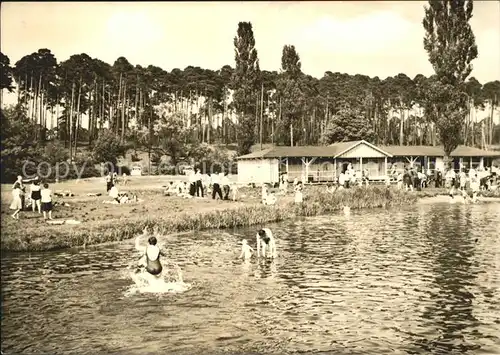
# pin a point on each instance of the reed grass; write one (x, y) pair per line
(317, 202)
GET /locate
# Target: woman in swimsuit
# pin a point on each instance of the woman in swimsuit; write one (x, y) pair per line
(266, 243)
(36, 196)
(151, 258)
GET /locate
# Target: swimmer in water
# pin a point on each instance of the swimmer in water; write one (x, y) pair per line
(266, 243)
(246, 250)
(151, 258)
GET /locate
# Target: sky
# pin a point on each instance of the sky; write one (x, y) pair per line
(373, 38)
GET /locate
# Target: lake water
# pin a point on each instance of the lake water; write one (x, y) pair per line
(419, 280)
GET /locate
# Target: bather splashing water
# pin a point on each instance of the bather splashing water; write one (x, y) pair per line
(160, 280)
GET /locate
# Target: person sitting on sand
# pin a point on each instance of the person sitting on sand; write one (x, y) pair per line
(266, 244)
(114, 193)
(169, 189)
(246, 250)
(151, 258)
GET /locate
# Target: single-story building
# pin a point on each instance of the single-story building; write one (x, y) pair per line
(430, 157)
(311, 163)
(325, 163)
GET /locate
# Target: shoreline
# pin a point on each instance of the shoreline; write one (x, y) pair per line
(104, 223)
(204, 215)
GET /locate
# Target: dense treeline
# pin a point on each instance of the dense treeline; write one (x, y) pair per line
(246, 105)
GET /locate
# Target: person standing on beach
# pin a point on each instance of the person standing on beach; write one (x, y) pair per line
(35, 195)
(216, 190)
(46, 198)
(225, 185)
(192, 183)
(20, 184)
(199, 184)
(16, 204)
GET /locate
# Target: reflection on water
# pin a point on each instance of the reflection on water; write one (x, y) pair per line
(423, 280)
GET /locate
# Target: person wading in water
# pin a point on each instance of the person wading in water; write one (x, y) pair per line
(151, 258)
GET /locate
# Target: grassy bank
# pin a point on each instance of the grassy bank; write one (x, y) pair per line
(105, 223)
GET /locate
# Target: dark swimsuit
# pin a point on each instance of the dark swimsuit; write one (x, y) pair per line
(153, 266)
(36, 195)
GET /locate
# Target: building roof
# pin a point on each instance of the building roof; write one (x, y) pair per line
(347, 146)
(333, 150)
(337, 149)
(464, 151)
(414, 150)
(437, 151)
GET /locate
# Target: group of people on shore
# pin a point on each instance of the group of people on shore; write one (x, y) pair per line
(39, 197)
(117, 196)
(218, 185)
(269, 195)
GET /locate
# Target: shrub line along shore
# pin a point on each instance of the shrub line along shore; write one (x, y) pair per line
(51, 237)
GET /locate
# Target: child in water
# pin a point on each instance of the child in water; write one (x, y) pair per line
(246, 250)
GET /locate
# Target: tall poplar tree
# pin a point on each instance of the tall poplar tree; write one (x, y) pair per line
(451, 46)
(245, 82)
(290, 90)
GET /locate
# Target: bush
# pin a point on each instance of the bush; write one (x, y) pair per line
(135, 158)
(108, 148)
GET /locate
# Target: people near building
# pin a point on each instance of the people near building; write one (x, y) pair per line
(394, 172)
(422, 179)
(283, 183)
(199, 184)
(192, 182)
(359, 177)
(474, 185)
(399, 180)
(438, 178)
(234, 191)
(226, 185)
(462, 176)
(342, 181)
(298, 193)
(408, 180)
(216, 188)
(450, 178)
(264, 192)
